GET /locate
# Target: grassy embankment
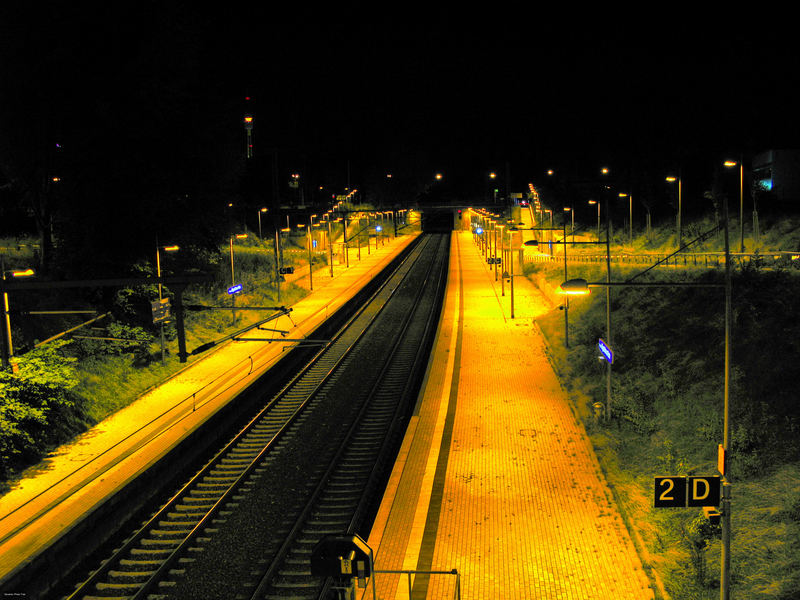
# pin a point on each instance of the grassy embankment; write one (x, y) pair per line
(667, 391)
(110, 375)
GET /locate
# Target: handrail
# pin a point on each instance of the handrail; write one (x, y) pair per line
(95, 474)
(409, 573)
(102, 470)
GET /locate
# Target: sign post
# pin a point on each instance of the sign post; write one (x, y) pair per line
(161, 315)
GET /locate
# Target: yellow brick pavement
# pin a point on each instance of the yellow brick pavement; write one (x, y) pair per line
(498, 479)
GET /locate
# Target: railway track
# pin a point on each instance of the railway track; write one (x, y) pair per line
(311, 462)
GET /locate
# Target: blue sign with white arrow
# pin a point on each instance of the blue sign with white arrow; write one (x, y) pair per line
(235, 289)
(605, 351)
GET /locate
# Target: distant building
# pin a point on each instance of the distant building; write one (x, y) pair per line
(778, 172)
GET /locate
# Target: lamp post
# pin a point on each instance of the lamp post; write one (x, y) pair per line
(566, 300)
(248, 127)
(310, 256)
(494, 232)
(330, 243)
(580, 286)
(550, 232)
(511, 267)
(262, 210)
(238, 236)
(598, 216)
(572, 213)
(731, 164)
(8, 346)
(630, 215)
(503, 262)
(673, 179)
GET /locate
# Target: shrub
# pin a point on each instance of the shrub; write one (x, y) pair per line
(37, 408)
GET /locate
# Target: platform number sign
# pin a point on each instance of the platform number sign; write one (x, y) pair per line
(686, 491)
(670, 491)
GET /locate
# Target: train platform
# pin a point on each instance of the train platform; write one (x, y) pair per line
(496, 479)
(62, 492)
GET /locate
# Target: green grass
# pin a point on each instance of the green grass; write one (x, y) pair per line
(109, 383)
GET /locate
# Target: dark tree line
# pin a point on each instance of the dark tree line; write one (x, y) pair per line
(115, 131)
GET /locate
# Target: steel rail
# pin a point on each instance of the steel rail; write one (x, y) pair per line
(108, 566)
(399, 341)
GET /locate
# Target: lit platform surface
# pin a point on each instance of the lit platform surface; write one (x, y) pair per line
(62, 491)
(496, 478)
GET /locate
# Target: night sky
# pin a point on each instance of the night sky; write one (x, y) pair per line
(516, 96)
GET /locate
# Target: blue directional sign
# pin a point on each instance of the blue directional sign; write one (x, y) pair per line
(605, 351)
(235, 289)
(378, 228)
(479, 230)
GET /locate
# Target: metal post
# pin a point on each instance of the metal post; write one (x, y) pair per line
(309, 241)
(598, 220)
(566, 298)
(330, 246)
(179, 323)
(233, 282)
(511, 272)
(608, 310)
(726, 486)
(344, 237)
(680, 199)
(358, 238)
(494, 230)
(630, 216)
(277, 260)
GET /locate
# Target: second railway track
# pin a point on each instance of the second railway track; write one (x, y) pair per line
(311, 462)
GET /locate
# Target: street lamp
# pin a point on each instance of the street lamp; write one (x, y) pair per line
(731, 164)
(572, 212)
(673, 179)
(309, 243)
(630, 214)
(262, 210)
(598, 216)
(238, 236)
(8, 346)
